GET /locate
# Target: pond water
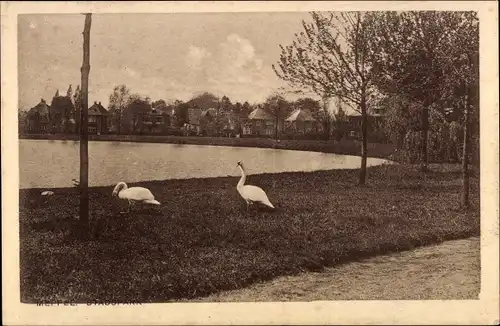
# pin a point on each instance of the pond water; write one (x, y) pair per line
(53, 163)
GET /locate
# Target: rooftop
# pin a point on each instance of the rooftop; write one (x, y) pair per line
(301, 115)
(41, 108)
(259, 114)
(209, 112)
(97, 109)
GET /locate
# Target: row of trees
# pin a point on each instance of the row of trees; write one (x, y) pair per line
(127, 108)
(427, 58)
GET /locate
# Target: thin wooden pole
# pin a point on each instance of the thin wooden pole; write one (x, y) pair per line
(364, 144)
(84, 154)
(465, 155)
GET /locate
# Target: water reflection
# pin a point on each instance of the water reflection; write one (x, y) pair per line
(55, 163)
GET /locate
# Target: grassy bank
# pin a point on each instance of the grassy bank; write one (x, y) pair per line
(204, 241)
(347, 147)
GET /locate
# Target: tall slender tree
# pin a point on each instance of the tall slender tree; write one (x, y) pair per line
(83, 229)
(332, 58)
(461, 83)
(246, 108)
(279, 108)
(135, 110)
(118, 101)
(226, 104)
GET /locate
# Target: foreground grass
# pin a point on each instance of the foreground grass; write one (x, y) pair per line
(346, 147)
(203, 241)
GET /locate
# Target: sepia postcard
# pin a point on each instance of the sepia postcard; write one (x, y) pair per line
(250, 162)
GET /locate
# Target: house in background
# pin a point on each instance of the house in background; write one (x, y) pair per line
(375, 122)
(155, 122)
(301, 122)
(97, 119)
(231, 124)
(38, 119)
(259, 123)
(58, 117)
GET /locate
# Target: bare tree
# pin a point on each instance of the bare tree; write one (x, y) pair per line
(331, 57)
(83, 229)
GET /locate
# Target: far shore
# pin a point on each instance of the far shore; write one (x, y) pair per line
(345, 147)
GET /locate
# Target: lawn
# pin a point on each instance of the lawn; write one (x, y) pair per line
(204, 241)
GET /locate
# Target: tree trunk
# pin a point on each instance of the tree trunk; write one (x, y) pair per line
(83, 230)
(327, 126)
(276, 127)
(364, 149)
(119, 127)
(328, 122)
(424, 163)
(465, 156)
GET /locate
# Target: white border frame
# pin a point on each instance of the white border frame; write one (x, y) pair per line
(468, 312)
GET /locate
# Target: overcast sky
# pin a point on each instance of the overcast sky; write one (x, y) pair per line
(164, 56)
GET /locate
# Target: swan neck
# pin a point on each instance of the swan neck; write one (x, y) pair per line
(243, 177)
(121, 187)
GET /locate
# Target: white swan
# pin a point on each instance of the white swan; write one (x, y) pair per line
(134, 194)
(251, 194)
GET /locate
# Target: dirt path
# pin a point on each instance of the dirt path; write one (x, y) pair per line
(447, 271)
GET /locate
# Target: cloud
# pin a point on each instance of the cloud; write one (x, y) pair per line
(131, 72)
(234, 68)
(238, 50)
(196, 55)
(231, 55)
(237, 59)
